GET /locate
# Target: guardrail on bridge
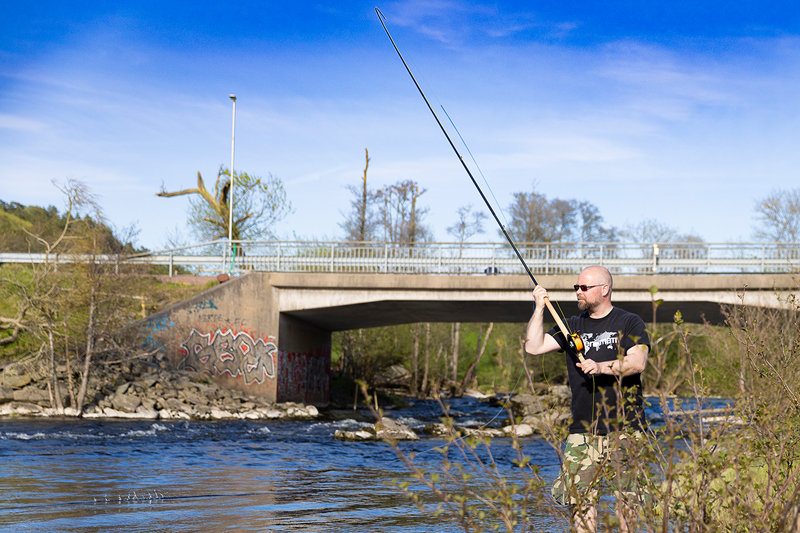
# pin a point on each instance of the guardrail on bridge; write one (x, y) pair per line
(460, 259)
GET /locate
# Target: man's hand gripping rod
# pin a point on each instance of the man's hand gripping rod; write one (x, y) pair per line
(573, 339)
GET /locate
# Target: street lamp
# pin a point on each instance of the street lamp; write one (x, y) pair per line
(230, 192)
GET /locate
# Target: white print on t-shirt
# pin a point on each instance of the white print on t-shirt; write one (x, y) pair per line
(607, 339)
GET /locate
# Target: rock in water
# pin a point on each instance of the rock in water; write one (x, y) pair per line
(385, 429)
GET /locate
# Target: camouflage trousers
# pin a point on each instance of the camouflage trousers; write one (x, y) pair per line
(590, 461)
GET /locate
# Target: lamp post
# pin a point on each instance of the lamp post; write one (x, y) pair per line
(230, 192)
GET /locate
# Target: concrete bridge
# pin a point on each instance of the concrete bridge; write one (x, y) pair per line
(270, 333)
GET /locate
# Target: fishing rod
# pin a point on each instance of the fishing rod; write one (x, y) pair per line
(573, 339)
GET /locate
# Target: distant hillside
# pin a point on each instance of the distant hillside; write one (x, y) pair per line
(21, 224)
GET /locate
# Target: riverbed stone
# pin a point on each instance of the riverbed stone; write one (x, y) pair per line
(16, 381)
(20, 409)
(519, 430)
(31, 394)
(436, 429)
(6, 394)
(126, 402)
(219, 414)
(354, 436)
(174, 404)
(483, 432)
(147, 412)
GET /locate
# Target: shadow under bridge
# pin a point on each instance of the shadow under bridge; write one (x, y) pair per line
(336, 302)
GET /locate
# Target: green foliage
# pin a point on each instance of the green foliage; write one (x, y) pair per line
(22, 226)
(360, 354)
(258, 203)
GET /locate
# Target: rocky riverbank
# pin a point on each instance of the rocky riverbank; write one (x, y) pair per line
(140, 388)
(147, 388)
(545, 407)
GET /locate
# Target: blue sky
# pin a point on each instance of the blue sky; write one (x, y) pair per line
(685, 112)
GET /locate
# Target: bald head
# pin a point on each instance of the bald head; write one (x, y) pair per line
(596, 299)
(598, 275)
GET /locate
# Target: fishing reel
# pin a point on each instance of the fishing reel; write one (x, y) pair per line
(576, 343)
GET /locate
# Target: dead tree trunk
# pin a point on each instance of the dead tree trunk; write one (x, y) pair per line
(455, 337)
(87, 361)
(415, 361)
(424, 386)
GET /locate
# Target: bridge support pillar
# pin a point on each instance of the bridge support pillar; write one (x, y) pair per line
(304, 362)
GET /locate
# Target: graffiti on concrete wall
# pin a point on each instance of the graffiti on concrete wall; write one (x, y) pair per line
(226, 352)
(304, 378)
(154, 325)
(204, 305)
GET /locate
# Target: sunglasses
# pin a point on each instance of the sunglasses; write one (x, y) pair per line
(585, 288)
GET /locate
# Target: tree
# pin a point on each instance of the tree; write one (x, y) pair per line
(258, 204)
(590, 225)
(400, 214)
(534, 218)
(469, 223)
(77, 305)
(779, 216)
(652, 231)
(528, 214)
(361, 224)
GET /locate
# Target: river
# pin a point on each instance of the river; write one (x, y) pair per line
(175, 476)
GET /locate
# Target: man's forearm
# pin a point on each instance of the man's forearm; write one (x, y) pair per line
(534, 342)
(631, 363)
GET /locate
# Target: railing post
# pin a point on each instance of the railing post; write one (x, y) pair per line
(494, 261)
(547, 259)
(763, 257)
(331, 267)
(708, 259)
(655, 258)
(170, 264)
(278, 259)
(386, 258)
(601, 255)
(439, 267)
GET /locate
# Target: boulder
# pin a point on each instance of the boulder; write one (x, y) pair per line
(14, 381)
(20, 408)
(388, 429)
(218, 414)
(146, 412)
(385, 429)
(176, 405)
(6, 394)
(31, 394)
(306, 411)
(436, 429)
(523, 405)
(126, 402)
(483, 432)
(393, 375)
(519, 430)
(354, 436)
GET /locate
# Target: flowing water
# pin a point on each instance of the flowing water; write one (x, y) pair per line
(93, 475)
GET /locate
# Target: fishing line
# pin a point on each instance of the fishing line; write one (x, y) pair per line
(476, 164)
(573, 340)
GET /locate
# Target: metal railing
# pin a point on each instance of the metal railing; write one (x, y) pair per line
(462, 259)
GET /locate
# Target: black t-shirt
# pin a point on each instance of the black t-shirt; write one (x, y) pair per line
(594, 398)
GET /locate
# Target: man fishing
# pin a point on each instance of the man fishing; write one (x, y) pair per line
(616, 347)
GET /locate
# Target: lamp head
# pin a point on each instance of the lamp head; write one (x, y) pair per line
(232, 97)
